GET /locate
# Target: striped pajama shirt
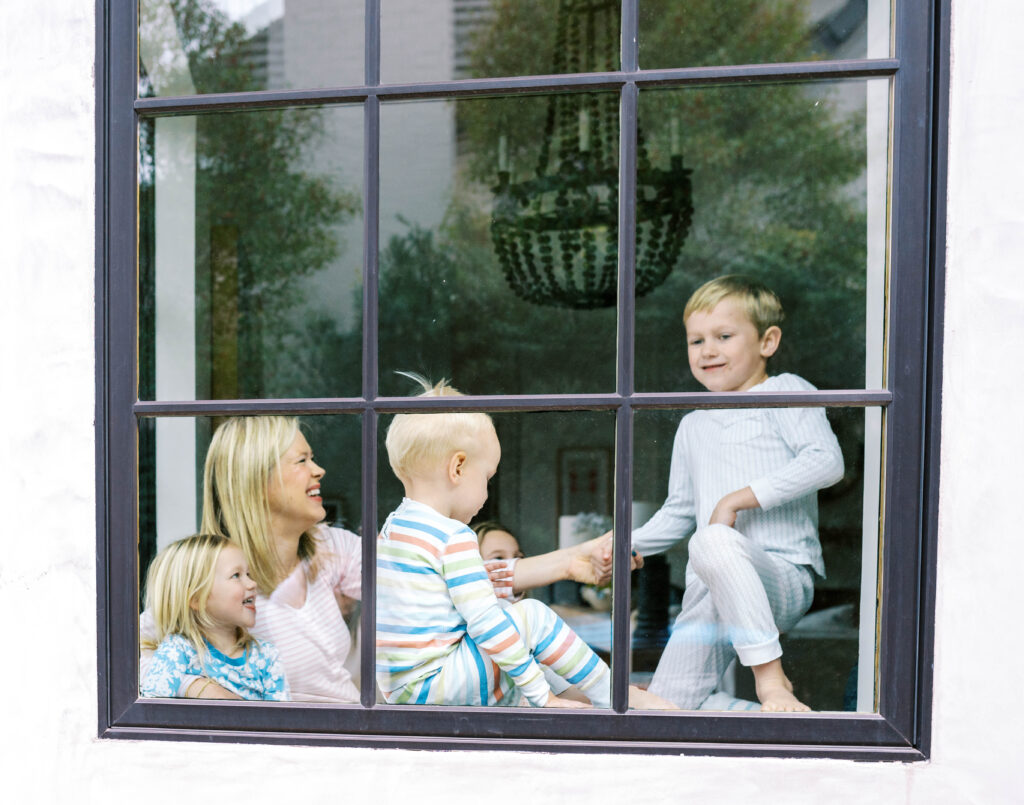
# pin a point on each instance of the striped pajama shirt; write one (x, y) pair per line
(743, 584)
(442, 638)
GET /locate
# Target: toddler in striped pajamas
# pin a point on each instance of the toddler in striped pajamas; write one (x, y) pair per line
(744, 483)
(442, 638)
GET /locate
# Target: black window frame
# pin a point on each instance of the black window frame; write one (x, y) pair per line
(901, 730)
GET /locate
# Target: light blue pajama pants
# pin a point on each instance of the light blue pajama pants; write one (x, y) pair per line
(738, 598)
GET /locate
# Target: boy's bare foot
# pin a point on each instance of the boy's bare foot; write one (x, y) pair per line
(640, 699)
(774, 690)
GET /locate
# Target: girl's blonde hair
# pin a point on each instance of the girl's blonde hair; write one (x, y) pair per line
(243, 453)
(182, 574)
(417, 443)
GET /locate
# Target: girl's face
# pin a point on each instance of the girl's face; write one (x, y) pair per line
(294, 490)
(232, 599)
(499, 545)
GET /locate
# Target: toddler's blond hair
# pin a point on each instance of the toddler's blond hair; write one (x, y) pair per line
(418, 443)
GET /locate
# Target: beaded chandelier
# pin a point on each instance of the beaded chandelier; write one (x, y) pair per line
(556, 234)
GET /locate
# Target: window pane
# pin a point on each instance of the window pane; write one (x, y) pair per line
(172, 453)
(190, 47)
(696, 33)
(440, 40)
(499, 246)
(553, 490)
(828, 627)
(250, 258)
(788, 185)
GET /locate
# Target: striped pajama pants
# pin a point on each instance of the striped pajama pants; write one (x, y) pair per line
(470, 677)
(738, 598)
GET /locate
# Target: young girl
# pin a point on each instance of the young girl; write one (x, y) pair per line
(202, 599)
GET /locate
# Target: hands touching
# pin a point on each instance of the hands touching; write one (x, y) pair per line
(600, 552)
(589, 562)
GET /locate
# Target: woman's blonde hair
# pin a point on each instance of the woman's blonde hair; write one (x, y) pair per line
(243, 453)
(180, 576)
(417, 443)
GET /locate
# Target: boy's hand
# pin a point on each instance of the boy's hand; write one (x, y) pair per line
(601, 558)
(568, 704)
(727, 508)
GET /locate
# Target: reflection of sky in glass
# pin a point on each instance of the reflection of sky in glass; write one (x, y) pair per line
(254, 14)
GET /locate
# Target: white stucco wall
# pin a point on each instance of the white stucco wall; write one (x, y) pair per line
(49, 752)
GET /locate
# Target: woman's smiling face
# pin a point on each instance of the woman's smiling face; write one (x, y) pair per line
(294, 490)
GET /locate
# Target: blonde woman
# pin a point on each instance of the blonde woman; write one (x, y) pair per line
(261, 489)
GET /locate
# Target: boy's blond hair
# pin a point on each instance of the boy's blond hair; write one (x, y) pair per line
(759, 302)
(243, 453)
(181, 574)
(418, 443)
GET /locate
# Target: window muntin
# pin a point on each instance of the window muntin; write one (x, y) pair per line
(189, 47)
(683, 33)
(902, 711)
(788, 186)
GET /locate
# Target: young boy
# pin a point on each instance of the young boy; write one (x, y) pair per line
(442, 638)
(743, 482)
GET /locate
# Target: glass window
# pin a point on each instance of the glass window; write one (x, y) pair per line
(552, 494)
(207, 46)
(250, 254)
(785, 184)
(499, 249)
(827, 628)
(697, 33)
(440, 40)
(302, 205)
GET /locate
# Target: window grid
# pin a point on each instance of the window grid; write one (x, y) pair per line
(890, 734)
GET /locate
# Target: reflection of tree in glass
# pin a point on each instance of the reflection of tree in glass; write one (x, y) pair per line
(446, 311)
(778, 193)
(264, 222)
(706, 32)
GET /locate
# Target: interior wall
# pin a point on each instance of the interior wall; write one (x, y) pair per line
(49, 751)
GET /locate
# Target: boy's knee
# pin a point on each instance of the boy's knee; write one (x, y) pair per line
(712, 548)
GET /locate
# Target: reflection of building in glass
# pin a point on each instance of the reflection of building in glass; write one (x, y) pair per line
(470, 16)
